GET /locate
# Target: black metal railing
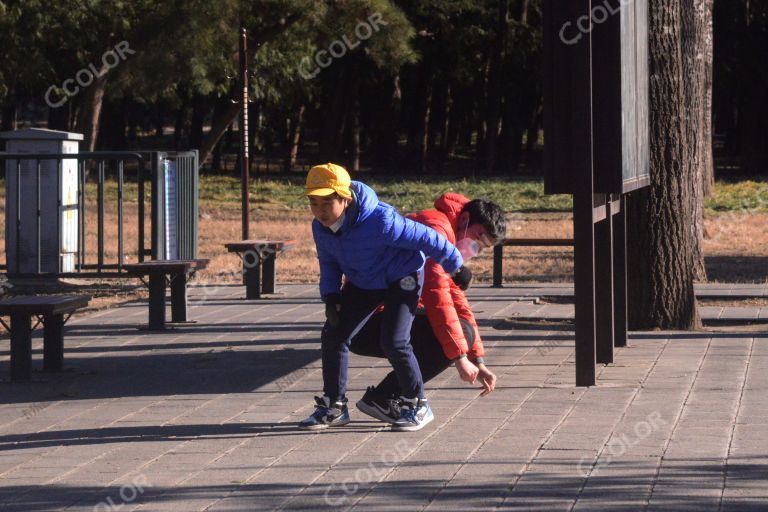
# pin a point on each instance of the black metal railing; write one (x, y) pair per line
(21, 186)
(17, 193)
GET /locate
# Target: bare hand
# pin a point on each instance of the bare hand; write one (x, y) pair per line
(487, 379)
(467, 370)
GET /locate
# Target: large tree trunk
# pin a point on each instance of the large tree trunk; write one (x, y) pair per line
(693, 34)
(662, 252)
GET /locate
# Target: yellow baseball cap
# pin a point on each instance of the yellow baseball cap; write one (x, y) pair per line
(326, 179)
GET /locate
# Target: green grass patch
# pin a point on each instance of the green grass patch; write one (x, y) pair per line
(407, 195)
(748, 196)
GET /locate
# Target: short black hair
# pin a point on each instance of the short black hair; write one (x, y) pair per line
(490, 215)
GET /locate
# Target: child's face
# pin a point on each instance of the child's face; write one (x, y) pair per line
(327, 209)
(479, 234)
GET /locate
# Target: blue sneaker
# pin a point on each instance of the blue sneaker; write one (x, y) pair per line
(378, 406)
(415, 413)
(326, 414)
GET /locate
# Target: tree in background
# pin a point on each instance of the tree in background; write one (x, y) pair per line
(447, 86)
(663, 255)
(740, 99)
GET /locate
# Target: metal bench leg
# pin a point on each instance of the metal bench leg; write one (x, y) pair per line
(498, 263)
(53, 343)
(156, 301)
(269, 274)
(179, 298)
(21, 347)
(252, 279)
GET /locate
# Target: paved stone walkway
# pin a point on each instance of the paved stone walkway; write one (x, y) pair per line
(202, 418)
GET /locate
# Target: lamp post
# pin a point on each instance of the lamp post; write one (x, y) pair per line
(244, 149)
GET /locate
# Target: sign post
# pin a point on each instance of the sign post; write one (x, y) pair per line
(596, 128)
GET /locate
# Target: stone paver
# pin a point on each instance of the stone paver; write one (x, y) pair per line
(201, 418)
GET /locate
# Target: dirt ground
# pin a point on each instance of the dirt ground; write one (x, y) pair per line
(736, 248)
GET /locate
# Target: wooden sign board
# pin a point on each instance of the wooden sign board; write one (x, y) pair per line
(615, 35)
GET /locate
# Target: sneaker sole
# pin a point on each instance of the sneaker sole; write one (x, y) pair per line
(373, 412)
(322, 426)
(414, 428)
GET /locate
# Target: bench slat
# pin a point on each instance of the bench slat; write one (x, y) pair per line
(175, 266)
(257, 245)
(44, 305)
(533, 242)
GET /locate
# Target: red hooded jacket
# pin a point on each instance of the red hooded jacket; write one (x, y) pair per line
(444, 302)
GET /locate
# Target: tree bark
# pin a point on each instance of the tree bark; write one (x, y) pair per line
(511, 137)
(418, 120)
(355, 146)
(708, 183)
(493, 105)
(223, 117)
(90, 110)
(662, 232)
(199, 110)
(481, 125)
(294, 139)
(9, 110)
(334, 119)
(112, 127)
(693, 35)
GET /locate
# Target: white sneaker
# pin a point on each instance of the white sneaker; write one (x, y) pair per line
(415, 413)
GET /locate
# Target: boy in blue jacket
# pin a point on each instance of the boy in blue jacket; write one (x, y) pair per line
(381, 254)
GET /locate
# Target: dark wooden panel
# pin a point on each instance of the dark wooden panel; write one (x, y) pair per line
(560, 47)
(619, 68)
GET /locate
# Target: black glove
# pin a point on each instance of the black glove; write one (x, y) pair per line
(331, 313)
(462, 277)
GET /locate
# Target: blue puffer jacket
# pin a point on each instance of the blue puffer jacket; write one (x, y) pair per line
(377, 246)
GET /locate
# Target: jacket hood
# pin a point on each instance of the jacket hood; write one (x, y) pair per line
(363, 206)
(451, 205)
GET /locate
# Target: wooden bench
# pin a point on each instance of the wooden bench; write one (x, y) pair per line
(178, 272)
(50, 310)
(498, 252)
(259, 263)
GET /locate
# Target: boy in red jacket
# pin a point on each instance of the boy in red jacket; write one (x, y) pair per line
(446, 334)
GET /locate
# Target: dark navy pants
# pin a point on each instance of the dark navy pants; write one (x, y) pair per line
(426, 347)
(400, 301)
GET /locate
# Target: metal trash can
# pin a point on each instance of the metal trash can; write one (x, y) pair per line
(41, 214)
(175, 199)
